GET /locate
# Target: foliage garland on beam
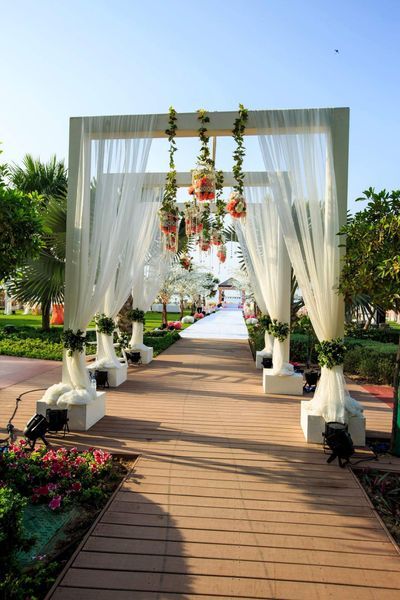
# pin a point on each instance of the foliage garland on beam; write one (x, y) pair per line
(169, 213)
(237, 203)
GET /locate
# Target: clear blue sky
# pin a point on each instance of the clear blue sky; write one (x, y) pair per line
(62, 59)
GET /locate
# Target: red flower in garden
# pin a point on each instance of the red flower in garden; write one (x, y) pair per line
(76, 486)
(41, 491)
(55, 503)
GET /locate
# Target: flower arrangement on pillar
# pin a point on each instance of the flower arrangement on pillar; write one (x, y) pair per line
(73, 342)
(331, 353)
(237, 202)
(136, 315)
(169, 213)
(104, 324)
(279, 330)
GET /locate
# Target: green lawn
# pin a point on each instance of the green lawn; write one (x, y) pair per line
(153, 320)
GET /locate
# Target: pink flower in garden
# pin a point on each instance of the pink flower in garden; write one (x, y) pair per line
(55, 503)
(52, 486)
(76, 486)
(56, 467)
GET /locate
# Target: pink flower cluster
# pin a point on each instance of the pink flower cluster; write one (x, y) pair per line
(53, 476)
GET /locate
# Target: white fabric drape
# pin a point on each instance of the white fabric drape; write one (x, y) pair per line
(101, 213)
(148, 282)
(143, 238)
(261, 235)
(301, 170)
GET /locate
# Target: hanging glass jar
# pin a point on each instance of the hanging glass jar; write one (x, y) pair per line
(203, 181)
(192, 214)
(168, 222)
(186, 263)
(221, 253)
(216, 237)
(204, 242)
(236, 206)
(171, 242)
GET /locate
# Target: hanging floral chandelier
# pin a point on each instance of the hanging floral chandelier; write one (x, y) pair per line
(236, 206)
(169, 212)
(207, 187)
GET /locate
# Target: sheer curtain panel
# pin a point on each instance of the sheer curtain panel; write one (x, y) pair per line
(301, 168)
(102, 203)
(261, 236)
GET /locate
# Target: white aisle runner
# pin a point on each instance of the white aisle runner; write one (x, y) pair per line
(225, 324)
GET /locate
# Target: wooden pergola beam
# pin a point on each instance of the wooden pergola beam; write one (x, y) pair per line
(220, 125)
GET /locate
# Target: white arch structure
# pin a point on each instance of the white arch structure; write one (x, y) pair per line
(305, 154)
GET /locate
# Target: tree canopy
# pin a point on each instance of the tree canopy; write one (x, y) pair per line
(20, 225)
(372, 262)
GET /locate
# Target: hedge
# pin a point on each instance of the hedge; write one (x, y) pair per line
(33, 343)
(366, 358)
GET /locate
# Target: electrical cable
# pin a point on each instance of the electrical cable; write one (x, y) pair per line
(10, 427)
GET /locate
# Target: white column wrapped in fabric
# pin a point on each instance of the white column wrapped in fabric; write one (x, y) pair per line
(258, 295)
(142, 242)
(102, 200)
(262, 237)
(301, 169)
(145, 288)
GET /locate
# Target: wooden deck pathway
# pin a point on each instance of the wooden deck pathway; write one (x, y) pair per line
(227, 501)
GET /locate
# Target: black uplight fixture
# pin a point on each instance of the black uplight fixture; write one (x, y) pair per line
(36, 429)
(339, 442)
(134, 358)
(57, 420)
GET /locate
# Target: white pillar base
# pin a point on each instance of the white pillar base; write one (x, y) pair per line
(282, 385)
(81, 416)
(146, 353)
(259, 357)
(116, 375)
(313, 426)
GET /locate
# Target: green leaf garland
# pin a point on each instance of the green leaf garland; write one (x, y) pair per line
(279, 330)
(73, 342)
(331, 353)
(104, 324)
(136, 315)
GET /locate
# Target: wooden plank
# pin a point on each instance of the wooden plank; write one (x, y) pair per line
(227, 500)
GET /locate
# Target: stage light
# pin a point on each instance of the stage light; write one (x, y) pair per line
(57, 420)
(339, 442)
(36, 429)
(134, 358)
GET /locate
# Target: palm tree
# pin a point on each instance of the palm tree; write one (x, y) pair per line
(41, 281)
(47, 179)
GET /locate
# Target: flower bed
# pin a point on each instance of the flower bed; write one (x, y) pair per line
(48, 499)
